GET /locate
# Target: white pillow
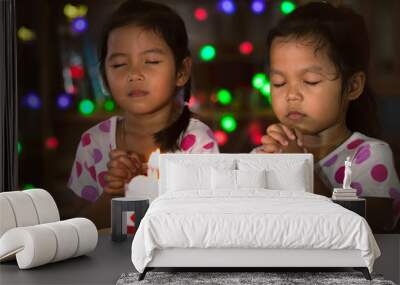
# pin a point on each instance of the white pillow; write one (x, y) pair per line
(182, 177)
(285, 174)
(227, 179)
(251, 178)
(223, 179)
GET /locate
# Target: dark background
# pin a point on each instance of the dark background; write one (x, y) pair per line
(41, 62)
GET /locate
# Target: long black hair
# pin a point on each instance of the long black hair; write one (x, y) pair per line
(169, 25)
(343, 34)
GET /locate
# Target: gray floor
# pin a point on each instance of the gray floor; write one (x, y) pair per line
(103, 266)
(110, 260)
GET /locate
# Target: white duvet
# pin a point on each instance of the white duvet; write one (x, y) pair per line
(256, 218)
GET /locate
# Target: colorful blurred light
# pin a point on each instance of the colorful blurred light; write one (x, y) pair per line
(28, 186)
(64, 101)
(255, 132)
(77, 72)
(224, 96)
(19, 148)
(221, 137)
(193, 102)
(86, 107)
(259, 80)
(200, 14)
(246, 48)
(266, 92)
(52, 143)
(207, 53)
(287, 7)
(72, 12)
(79, 25)
(71, 89)
(228, 123)
(109, 105)
(25, 34)
(227, 6)
(258, 6)
(32, 101)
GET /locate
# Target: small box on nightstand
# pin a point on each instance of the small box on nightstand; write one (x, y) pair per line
(357, 205)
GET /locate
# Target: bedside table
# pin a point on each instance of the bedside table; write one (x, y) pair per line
(358, 206)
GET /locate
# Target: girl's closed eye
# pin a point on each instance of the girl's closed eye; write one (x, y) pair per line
(152, 61)
(278, 84)
(312, 83)
(118, 65)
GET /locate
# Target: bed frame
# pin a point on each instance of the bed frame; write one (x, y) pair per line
(242, 259)
(246, 258)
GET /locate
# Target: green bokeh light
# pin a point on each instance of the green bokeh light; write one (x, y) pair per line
(287, 7)
(207, 53)
(28, 186)
(224, 96)
(228, 123)
(86, 107)
(109, 105)
(266, 89)
(259, 80)
(19, 148)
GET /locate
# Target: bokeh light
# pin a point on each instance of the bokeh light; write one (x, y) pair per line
(52, 143)
(79, 25)
(246, 48)
(258, 6)
(77, 72)
(86, 107)
(224, 96)
(228, 123)
(227, 6)
(221, 137)
(207, 53)
(25, 34)
(287, 7)
(64, 101)
(109, 105)
(32, 101)
(259, 80)
(200, 14)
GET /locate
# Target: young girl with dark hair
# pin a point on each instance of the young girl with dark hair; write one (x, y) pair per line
(146, 65)
(318, 63)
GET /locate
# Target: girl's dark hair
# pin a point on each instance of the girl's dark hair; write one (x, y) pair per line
(343, 34)
(169, 25)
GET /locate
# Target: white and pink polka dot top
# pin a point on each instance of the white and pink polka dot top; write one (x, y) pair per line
(90, 165)
(373, 170)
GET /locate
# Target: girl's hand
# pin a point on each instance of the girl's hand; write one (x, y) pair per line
(281, 139)
(122, 167)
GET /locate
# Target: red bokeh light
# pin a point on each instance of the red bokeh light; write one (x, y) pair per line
(201, 14)
(221, 137)
(52, 143)
(246, 48)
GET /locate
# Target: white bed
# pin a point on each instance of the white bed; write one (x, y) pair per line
(202, 219)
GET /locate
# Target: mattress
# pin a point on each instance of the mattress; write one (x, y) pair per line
(251, 219)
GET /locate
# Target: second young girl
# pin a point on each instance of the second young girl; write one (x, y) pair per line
(319, 58)
(146, 65)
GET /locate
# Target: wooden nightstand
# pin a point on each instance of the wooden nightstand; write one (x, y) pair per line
(358, 206)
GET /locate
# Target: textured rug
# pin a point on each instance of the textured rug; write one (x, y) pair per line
(230, 278)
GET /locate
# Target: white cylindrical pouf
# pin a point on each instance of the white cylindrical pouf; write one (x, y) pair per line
(7, 218)
(23, 208)
(34, 245)
(45, 205)
(87, 235)
(67, 239)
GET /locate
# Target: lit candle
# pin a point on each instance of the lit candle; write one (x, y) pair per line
(153, 164)
(142, 186)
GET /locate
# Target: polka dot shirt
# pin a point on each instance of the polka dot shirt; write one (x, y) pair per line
(90, 165)
(373, 171)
